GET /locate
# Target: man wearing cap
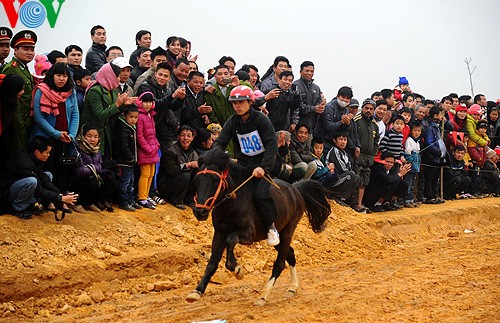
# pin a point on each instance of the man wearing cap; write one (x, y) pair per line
(5, 36)
(23, 44)
(368, 134)
(256, 148)
(124, 76)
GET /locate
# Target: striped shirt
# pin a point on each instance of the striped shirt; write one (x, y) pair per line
(392, 143)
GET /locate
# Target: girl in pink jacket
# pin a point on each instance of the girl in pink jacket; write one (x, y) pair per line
(147, 146)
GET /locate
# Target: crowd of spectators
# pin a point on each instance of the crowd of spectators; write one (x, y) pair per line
(129, 131)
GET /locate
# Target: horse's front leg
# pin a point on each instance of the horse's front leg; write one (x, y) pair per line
(218, 245)
(245, 237)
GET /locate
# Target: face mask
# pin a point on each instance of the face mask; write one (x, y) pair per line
(342, 104)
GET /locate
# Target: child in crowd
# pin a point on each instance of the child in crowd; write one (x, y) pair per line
(42, 65)
(392, 142)
(412, 155)
(82, 78)
(125, 155)
(147, 147)
(478, 155)
(94, 184)
(403, 86)
(406, 114)
(215, 130)
(325, 173)
(456, 176)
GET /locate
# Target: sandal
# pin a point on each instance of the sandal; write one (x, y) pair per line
(158, 200)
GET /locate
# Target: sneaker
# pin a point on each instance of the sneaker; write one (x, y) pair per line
(24, 214)
(127, 207)
(136, 205)
(158, 200)
(93, 208)
(396, 205)
(377, 208)
(77, 208)
(150, 200)
(147, 204)
(273, 237)
(408, 204)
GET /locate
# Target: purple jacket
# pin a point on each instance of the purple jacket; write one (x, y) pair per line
(83, 171)
(147, 144)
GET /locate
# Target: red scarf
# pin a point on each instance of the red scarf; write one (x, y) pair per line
(50, 99)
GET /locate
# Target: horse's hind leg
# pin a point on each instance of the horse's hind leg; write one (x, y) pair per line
(294, 281)
(217, 251)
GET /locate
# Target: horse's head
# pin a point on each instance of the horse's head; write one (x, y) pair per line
(211, 182)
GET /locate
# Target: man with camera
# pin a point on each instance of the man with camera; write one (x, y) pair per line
(283, 103)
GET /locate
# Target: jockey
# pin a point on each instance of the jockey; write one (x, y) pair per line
(256, 147)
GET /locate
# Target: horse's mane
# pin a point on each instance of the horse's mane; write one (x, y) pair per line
(215, 158)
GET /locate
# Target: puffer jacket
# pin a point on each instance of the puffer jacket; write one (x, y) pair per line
(434, 150)
(147, 144)
(165, 119)
(81, 169)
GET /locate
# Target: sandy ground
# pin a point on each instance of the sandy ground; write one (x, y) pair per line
(410, 265)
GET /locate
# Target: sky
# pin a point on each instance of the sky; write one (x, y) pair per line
(360, 43)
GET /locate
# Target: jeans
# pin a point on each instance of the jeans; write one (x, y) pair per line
(410, 180)
(22, 193)
(126, 185)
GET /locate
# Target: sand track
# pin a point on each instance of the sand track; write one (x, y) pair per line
(410, 265)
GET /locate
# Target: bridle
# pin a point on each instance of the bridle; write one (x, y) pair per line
(209, 203)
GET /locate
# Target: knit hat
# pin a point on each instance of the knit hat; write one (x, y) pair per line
(42, 64)
(460, 108)
(474, 109)
(482, 124)
(403, 80)
(369, 101)
(354, 103)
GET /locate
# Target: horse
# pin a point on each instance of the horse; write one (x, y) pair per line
(236, 219)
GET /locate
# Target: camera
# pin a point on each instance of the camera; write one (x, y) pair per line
(226, 80)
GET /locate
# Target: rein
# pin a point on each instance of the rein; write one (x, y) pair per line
(209, 203)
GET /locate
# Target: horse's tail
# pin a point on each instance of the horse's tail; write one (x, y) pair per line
(317, 205)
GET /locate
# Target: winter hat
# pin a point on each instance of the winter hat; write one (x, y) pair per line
(403, 80)
(474, 109)
(460, 108)
(214, 127)
(482, 124)
(369, 101)
(145, 97)
(42, 64)
(354, 103)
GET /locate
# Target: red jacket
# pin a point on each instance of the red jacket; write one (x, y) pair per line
(147, 144)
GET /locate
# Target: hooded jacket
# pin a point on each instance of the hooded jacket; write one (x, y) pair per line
(147, 144)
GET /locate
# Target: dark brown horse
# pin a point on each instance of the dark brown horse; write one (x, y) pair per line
(236, 219)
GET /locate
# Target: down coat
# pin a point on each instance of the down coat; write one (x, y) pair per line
(147, 144)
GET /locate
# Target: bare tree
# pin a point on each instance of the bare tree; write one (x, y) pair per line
(467, 62)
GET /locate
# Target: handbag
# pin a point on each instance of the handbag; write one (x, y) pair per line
(70, 158)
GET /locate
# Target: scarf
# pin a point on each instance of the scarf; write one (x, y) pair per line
(85, 146)
(105, 77)
(50, 99)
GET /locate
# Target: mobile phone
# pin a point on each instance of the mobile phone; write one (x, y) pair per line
(226, 80)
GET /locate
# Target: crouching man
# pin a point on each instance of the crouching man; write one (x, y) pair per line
(24, 184)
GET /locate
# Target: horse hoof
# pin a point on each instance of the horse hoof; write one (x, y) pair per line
(193, 296)
(260, 302)
(238, 272)
(290, 293)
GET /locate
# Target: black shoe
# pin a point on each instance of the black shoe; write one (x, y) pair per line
(108, 206)
(35, 209)
(388, 207)
(25, 215)
(377, 208)
(180, 206)
(127, 207)
(396, 205)
(100, 206)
